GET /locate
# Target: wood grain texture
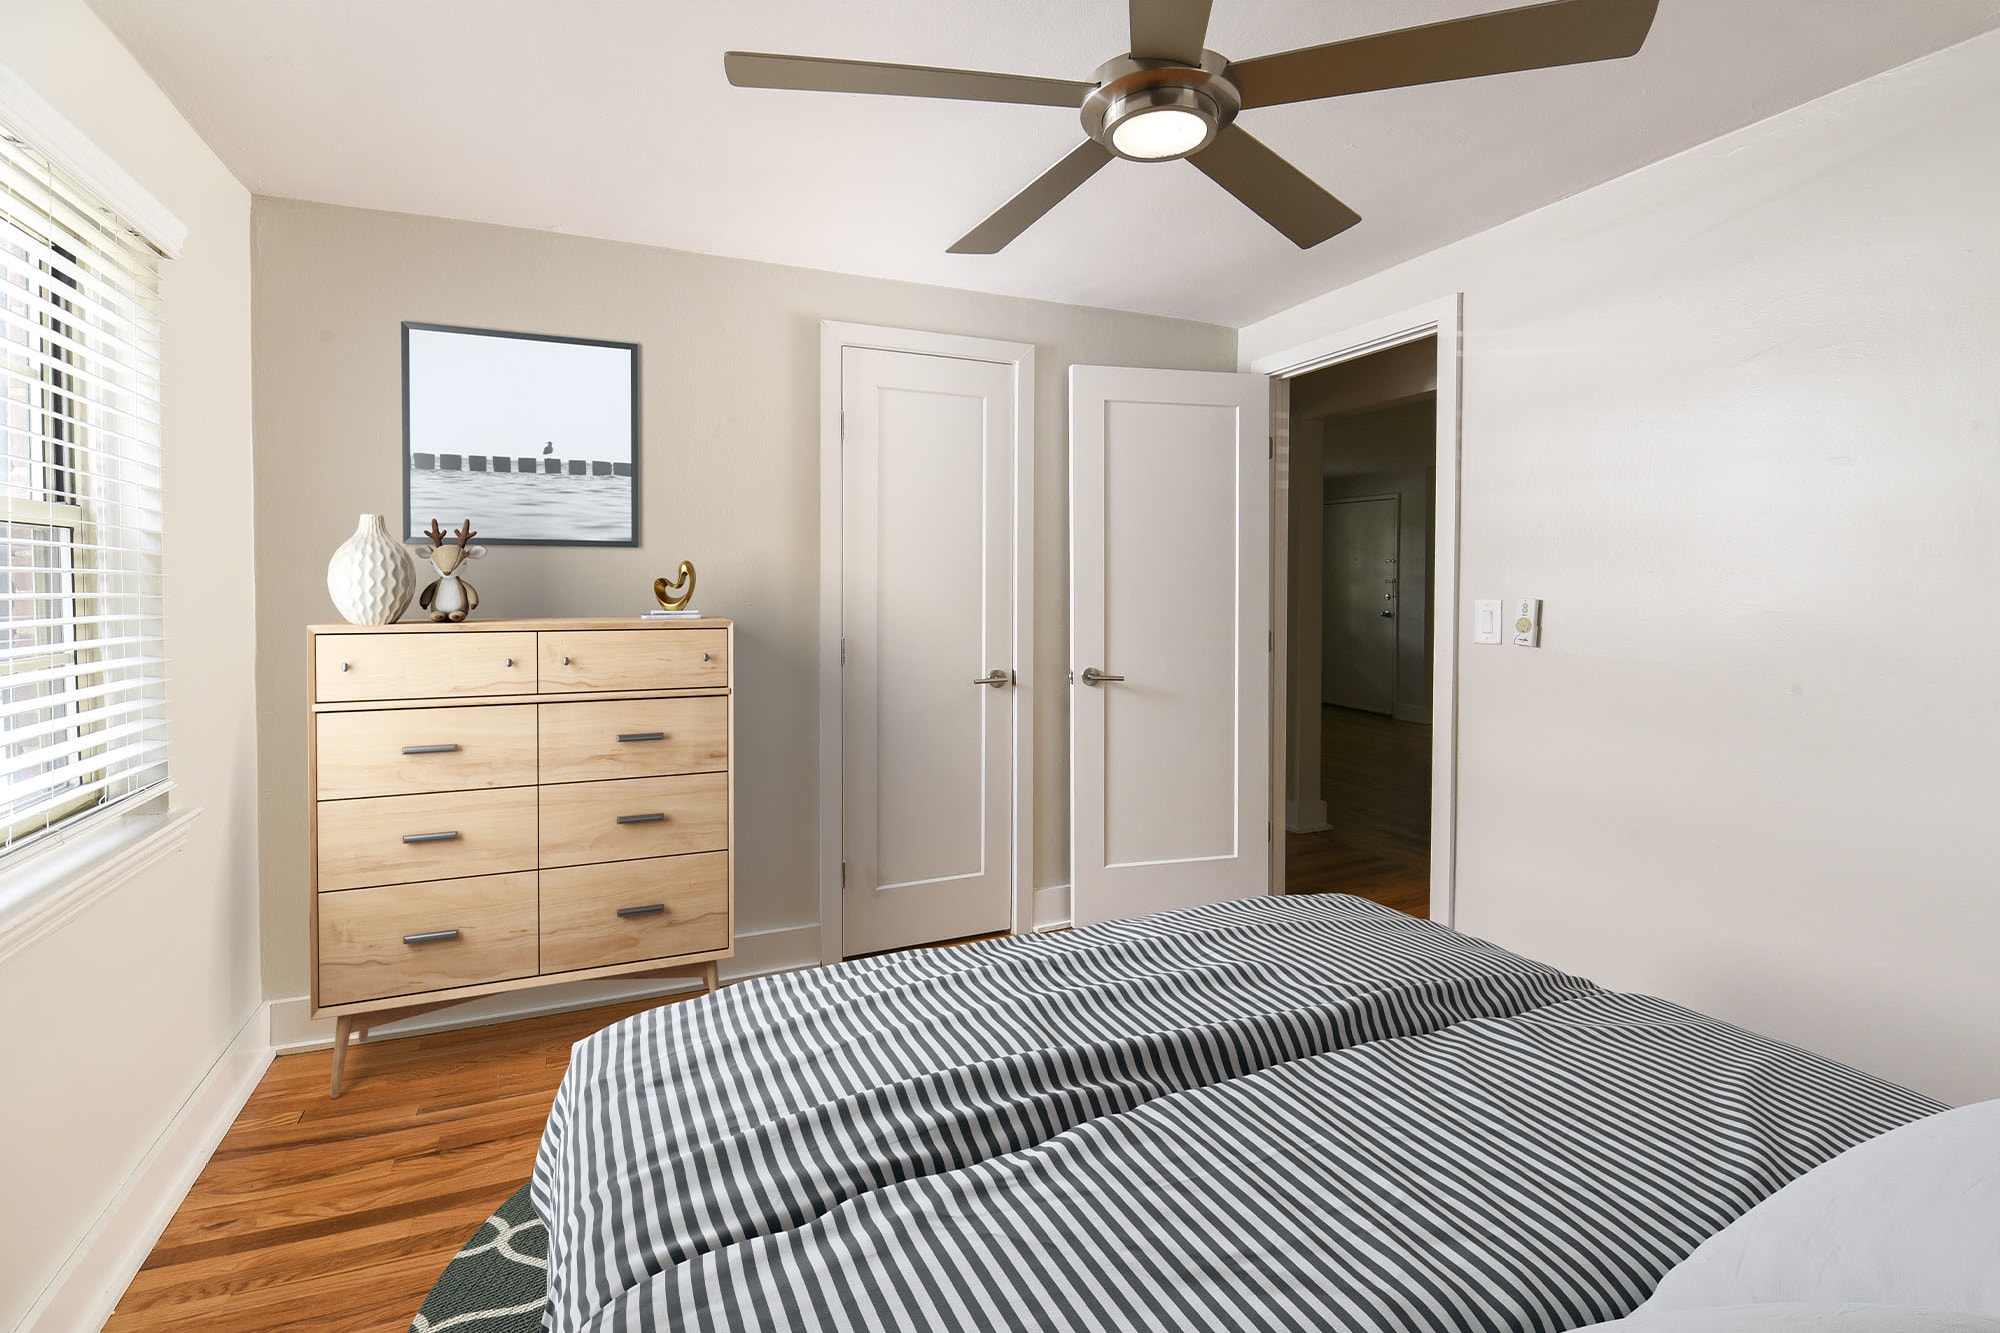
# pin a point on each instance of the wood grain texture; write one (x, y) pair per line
(1375, 774)
(580, 819)
(362, 754)
(361, 842)
(580, 922)
(339, 1215)
(580, 741)
(631, 660)
(391, 666)
(363, 954)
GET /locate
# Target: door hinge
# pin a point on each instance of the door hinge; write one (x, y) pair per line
(843, 874)
(1274, 446)
(1267, 831)
(843, 425)
(1270, 641)
(843, 650)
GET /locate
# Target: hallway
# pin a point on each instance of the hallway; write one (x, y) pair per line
(1375, 774)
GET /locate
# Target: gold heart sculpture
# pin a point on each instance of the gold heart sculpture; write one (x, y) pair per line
(674, 596)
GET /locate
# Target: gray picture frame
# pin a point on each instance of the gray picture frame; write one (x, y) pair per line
(533, 437)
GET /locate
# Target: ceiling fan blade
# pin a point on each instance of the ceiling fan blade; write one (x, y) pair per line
(759, 69)
(1273, 188)
(1562, 32)
(1169, 29)
(1026, 208)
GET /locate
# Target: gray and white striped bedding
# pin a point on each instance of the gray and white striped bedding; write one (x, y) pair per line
(1276, 1113)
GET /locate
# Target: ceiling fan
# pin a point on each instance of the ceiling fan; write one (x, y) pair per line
(1172, 98)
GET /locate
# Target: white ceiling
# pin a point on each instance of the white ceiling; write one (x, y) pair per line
(611, 118)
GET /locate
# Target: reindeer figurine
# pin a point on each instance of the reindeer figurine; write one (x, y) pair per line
(450, 597)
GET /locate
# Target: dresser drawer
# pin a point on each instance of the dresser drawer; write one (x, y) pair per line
(410, 938)
(445, 664)
(633, 738)
(588, 822)
(395, 752)
(595, 916)
(634, 659)
(400, 839)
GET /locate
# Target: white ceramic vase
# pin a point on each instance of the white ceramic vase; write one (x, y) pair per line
(370, 578)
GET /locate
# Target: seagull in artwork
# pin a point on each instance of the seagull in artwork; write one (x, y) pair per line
(549, 448)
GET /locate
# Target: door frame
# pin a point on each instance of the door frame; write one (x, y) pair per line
(1443, 318)
(834, 338)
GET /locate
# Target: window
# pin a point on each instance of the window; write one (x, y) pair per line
(82, 673)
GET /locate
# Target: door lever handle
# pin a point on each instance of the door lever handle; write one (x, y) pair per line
(997, 678)
(1092, 676)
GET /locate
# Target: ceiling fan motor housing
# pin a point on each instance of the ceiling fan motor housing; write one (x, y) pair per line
(1128, 88)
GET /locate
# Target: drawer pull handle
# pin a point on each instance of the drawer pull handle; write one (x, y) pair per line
(431, 937)
(642, 819)
(430, 749)
(452, 836)
(653, 909)
(625, 737)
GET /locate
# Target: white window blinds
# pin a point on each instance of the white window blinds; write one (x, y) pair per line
(82, 673)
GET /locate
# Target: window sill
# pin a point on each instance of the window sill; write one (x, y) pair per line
(52, 885)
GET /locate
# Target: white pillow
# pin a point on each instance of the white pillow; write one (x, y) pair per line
(1801, 1317)
(1911, 1217)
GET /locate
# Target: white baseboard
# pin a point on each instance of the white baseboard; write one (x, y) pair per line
(758, 953)
(87, 1288)
(1306, 817)
(1052, 910)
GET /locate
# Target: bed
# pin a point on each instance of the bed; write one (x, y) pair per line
(1277, 1113)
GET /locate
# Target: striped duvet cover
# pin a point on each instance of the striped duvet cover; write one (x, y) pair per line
(1282, 1113)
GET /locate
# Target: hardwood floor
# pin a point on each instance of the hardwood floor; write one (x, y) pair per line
(339, 1215)
(1375, 774)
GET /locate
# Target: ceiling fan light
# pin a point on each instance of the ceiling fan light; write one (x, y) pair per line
(1155, 124)
(1162, 133)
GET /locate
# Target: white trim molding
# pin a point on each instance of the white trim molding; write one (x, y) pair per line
(34, 120)
(51, 885)
(758, 953)
(834, 339)
(1443, 318)
(1052, 909)
(87, 1288)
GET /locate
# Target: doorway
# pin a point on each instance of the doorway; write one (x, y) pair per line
(1360, 632)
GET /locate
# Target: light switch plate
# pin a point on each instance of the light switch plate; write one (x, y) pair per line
(1527, 622)
(1486, 620)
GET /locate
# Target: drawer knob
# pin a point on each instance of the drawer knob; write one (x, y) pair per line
(508, 662)
(565, 661)
(655, 818)
(451, 836)
(704, 657)
(651, 909)
(343, 666)
(430, 749)
(431, 937)
(627, 737)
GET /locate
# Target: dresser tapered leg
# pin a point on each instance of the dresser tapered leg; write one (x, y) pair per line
(341, 1027)
(711, 976)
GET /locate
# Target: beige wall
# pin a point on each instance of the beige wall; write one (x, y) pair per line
(113, 1020)
(1734, 418)
(730, 411)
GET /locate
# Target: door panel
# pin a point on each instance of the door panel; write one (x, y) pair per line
(927, 764)
(1170, 588)
(1358, 641)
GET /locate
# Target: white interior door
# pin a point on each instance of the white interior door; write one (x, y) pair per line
(1358, 616)
(1170, 598)
(927, 776)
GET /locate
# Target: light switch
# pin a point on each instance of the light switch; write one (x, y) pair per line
(1486, 620)
(1528, 622)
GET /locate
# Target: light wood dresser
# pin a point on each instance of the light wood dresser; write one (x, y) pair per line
(509, 803)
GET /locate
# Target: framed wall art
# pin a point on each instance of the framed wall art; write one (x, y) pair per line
(534, 438)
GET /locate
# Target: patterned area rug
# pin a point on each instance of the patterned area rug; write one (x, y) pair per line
(499, 1282)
